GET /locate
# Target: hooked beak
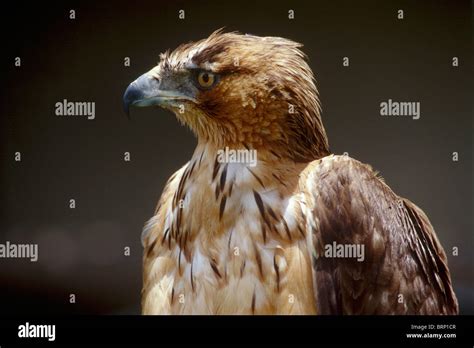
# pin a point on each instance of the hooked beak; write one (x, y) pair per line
(145, 91)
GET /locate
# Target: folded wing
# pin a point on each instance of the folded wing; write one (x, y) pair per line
(403, 269)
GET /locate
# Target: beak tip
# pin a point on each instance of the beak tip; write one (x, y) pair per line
(128, 99)
(126, 109)
(138, 92)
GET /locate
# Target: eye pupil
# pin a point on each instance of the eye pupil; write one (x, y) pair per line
(205, 77)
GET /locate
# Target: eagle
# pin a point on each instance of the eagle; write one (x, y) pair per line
(297, 231)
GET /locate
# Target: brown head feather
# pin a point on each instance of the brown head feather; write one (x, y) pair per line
(266, 97)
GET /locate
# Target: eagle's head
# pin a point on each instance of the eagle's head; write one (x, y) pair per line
(240, 91)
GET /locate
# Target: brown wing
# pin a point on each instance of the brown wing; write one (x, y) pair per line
(404, 270)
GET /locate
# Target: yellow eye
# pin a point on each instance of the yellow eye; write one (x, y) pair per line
(206, 79)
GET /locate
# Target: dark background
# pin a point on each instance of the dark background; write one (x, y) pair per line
(81, 250)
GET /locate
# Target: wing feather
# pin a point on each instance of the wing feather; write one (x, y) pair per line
(404, 270)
